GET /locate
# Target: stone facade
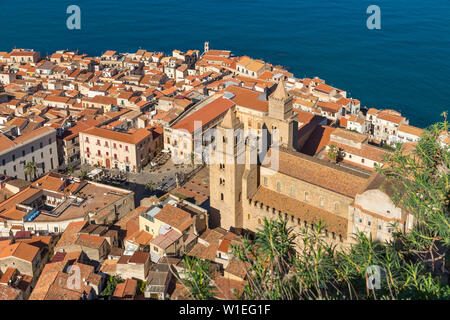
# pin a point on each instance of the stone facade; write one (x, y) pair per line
(302, 189)
(38, 146)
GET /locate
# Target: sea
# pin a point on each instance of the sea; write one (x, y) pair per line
(404, 65)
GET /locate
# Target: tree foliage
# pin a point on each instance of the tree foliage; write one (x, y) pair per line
(282, 264)
(83, 175)
(111, 285)
(198, 278)
(30, 170)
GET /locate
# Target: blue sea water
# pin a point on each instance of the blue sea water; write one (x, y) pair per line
(404, 66)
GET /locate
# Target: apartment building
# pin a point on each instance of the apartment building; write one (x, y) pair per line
(384, 124)
(69, 142)
(128, 151)
(55, 200)
(24, 56)
(249, 67)
(354, 149)
(173, 226)
(38, 146)
(179, 138)
(407, 133)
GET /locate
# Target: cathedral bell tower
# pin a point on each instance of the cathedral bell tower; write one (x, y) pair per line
(282, 118)
(227, 164)
(280, 103)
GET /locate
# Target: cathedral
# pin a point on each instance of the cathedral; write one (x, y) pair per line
(249, 183)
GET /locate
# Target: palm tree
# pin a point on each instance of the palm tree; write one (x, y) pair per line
(333, 153)
(150, 186)
(30, 170)
(83, 174)
(192, 156)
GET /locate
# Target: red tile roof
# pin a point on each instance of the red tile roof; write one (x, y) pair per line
(206, 114)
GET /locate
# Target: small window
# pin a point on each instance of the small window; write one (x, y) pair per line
(221, 196)
(292, 191)
(265, 181)
(278, 186)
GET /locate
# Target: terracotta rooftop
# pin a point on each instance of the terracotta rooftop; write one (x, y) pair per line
(205, 115)
(134, 138)
(228, 289)
(139, 257)
(73, 132)
(9, 293)
(248, 98)
(410, 130)
(321, 173)
(126, 289)
(90, 241)
(319, 138)
(19, 250)
(301, 210)
(349, 135)
(70, 233)
(174, 217)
